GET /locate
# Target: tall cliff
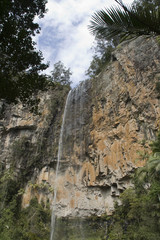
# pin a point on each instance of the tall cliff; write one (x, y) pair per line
(108, 120)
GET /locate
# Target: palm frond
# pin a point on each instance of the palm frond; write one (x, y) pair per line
(123, 21)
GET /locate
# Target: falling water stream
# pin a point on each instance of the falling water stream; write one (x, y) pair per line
(74, 103)
(72, 142)
(60, 146)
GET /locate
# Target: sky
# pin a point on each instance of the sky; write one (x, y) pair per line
(65, 36)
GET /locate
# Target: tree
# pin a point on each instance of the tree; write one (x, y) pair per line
(60, 74)
(146, 3)
(20, 62)
(102, 55)
(122, 22)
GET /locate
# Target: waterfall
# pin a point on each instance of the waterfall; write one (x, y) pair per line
(60, 148)
(71, 142)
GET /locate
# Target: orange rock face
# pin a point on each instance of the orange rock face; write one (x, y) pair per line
(107, 123)
(108, 120)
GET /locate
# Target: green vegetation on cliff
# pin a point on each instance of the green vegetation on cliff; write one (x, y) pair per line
(31, 223)
(138, 216)
(26, 157)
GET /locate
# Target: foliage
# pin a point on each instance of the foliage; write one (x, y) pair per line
(156, 144)
(110, 26)
(146, 3)
(24, 157)
(43, 186)
(31, 223)
(20, 62)
(102, 56)
(138, 216)
(122, 22)
(60, 74)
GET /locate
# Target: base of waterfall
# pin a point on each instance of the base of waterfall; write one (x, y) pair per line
(91, 228)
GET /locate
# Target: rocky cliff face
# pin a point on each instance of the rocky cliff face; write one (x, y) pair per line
(29, 140)
(108, 120)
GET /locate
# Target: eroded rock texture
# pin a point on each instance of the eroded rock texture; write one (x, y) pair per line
(107, 120)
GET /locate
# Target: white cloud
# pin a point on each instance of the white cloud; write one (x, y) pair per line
(65, 36)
